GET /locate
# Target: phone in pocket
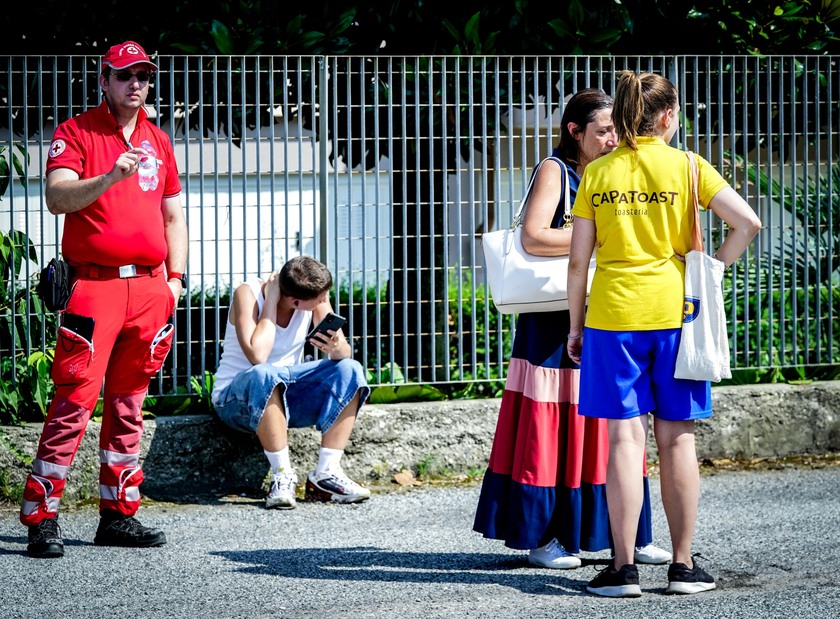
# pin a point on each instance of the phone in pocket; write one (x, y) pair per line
(331, 321)
(80, 325)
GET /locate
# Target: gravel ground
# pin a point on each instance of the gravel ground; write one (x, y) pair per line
(771, 538)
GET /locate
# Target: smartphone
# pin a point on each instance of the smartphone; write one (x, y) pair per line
(80, 325)
(331, 321)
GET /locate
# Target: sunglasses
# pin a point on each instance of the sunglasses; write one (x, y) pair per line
(127, 76)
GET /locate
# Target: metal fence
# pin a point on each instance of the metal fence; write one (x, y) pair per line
(389, 168)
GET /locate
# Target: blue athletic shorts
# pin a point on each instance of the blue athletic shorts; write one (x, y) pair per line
(314, 393)
(625, 374)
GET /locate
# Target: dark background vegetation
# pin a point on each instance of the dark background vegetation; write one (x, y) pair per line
(395, 27)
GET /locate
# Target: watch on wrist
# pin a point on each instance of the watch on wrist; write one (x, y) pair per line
(180, 277)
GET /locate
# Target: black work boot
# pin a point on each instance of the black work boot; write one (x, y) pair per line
(45, 540)
(117, 529)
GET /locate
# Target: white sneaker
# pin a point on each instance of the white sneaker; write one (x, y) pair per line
(652, 555)
(333, 485)
(281, 493)
(553, 556)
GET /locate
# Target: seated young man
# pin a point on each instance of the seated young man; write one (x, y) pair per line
(263, 385)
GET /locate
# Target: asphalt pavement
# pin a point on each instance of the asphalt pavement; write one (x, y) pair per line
(772, 540)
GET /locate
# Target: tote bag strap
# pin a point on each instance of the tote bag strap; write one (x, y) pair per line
(567, 212)
(697, 232)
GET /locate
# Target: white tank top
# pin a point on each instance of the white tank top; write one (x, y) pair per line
(287, 349)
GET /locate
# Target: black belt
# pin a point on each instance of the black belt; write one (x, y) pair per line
(96, 271)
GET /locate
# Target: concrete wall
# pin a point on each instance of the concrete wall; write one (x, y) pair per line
(196, 456)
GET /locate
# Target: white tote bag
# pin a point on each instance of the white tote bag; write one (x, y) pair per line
(521, 282)
(704, 343)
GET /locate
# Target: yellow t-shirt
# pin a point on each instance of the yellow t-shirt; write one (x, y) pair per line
(643, 212)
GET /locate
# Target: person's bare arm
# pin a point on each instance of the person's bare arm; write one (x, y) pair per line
(538, 237)
(67, 193)
(743, 224)
(177, 240)
(255, 332)
(583, 244)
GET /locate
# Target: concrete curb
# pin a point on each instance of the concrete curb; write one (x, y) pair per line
(195, 456)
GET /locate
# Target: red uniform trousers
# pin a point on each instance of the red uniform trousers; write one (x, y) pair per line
(131, 339)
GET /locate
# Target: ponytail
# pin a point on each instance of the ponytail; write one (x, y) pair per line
(628, 110)
(639, 98)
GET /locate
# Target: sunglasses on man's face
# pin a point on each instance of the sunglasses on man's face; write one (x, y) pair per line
(127, 76)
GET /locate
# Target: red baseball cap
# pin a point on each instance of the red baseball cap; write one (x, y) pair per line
(126, 55)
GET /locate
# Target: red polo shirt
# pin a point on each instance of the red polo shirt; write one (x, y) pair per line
(125, 225)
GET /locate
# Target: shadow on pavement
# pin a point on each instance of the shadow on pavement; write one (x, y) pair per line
(378, 565)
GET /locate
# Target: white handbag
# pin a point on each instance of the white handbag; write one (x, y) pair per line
(704, 342)
(521, 282)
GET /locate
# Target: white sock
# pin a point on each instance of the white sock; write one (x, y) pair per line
(328, 458)
(278, 459)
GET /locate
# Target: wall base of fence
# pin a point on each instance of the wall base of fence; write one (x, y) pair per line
(195, 457)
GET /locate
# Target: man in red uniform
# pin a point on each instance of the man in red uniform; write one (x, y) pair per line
(112, 174)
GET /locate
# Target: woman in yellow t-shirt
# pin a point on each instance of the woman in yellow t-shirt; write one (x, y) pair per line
(635, 205)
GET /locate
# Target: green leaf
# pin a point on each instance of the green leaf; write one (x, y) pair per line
(18, 163)
(577, 15)
(5, 177)
(471, 27)
(344, 21)
(294, 25)
(221, 38)
(405, 393)
(5, 250)
(605, 34)
(310, 39)
(382, 395)
(560, 28)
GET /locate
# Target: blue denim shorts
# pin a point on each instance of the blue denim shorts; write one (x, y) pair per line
(626, 374)
(314, 393)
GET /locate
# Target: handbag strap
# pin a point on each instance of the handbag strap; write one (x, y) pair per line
(697, 232)
(567, 207)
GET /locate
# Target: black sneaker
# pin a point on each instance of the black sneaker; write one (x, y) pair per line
(684, 580)
(613, 583)
(119, 530)
(45, 540)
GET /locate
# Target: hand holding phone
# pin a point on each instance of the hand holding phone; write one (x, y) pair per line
(331, 321)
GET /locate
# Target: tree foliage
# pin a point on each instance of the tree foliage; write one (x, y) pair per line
(411, 27)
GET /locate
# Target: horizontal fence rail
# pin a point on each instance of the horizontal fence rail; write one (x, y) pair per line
(388, 169)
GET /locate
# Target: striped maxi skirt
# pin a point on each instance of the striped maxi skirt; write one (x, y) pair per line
(546, 477)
